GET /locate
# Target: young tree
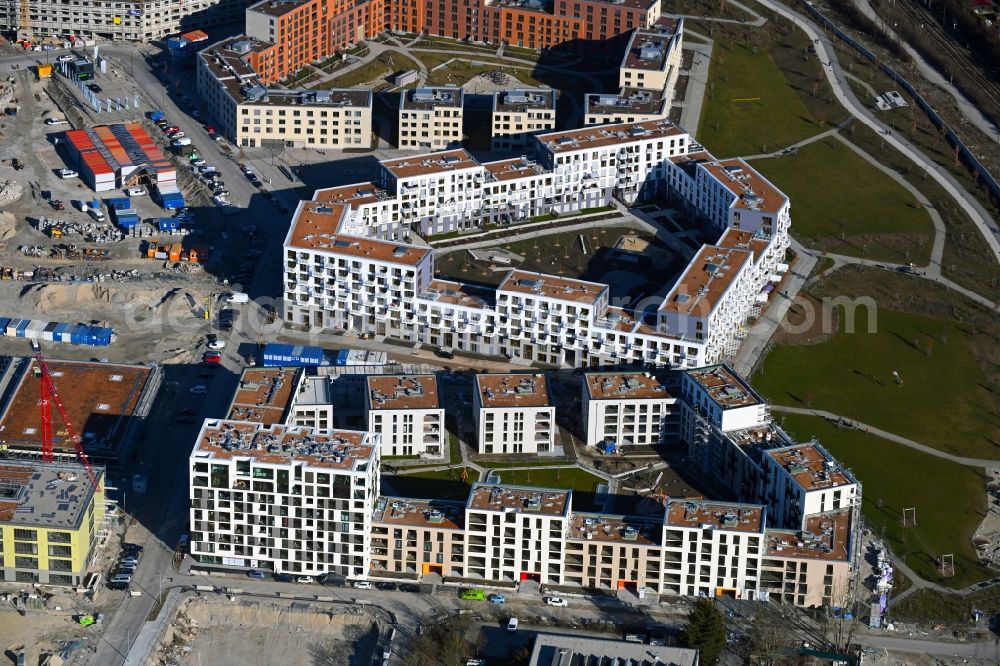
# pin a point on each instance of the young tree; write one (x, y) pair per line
(768, 635)
(705, 631)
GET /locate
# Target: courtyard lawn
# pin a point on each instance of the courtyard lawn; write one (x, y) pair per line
(843, 204)
(949, 498)
(941, 399)
(749, 106)
(571, 477)
(377, 69)
(432, 484)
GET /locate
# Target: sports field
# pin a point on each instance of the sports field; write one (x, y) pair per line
(949, 498)
(749, 106)
(940, 398)
(843, 204)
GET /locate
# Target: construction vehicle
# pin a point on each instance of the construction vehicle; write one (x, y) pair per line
(57, 204)
(175, 252)
(49, 394)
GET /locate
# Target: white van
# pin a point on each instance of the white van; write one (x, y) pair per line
(177, 143)
(96, 214)
(135, 191)
(238, 297)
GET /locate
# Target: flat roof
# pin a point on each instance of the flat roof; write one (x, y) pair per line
(426, 99)
(430, 163)
(99, 398)
(625, 386)
(628, 100)
(403, 392)
(622, 529)
(647, 51)
(824, 537)
(728, 516)
(519, 499)
(812, 468)
(517, 167)
(551, 286)
(724, 386)
(315, 226)
(278, 7)
(705, 280)
(356, 194)
(567, 649)
(751, 189)
(744, 240)
(264, 394)
(608, 135)
(456, 293)
(520, 100)
(514, 390)
(50, 495)
(426, 514)
(283, 445)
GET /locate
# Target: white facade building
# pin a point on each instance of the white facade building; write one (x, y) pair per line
(430, 118)
(513, 414)
(406, 412)
(520, 114)
(628, 409)
(283, 498)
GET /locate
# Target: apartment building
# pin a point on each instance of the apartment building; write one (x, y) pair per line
(652, 59)
(418, 538)
(631, 105)
(520, 114)
(513, 414)
(804, 480)
(251, 115)
(50, 514)
(720, 395)
(266, 395)
(623, 409)
(529, 317)
(283, 498)
(430, 118)
(406, 412)
(130, 20)
(812, 566)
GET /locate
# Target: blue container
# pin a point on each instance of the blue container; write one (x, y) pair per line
(118, 203)
(61, 329)
(169, 224)
(4, 321)
(21, 328)
(129, 221)
(277, 354)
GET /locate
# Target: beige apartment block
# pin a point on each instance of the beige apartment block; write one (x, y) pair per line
(628, 409)
(513, 414)
(520, 114)
(430, 119)
(629, 106)
(652, 60)
(418, 537)
(407, 412)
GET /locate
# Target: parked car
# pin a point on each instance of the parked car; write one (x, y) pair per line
(66, 57)
(473, 595)
(67, 173)
(362, 585)
(217, 344)
(409, 587)
(304, 579)
(556, 601)
(136, 192)
(56, 121)
(178, 135)
(198, 161)
(132, 548)
(512, 624)
(496, 599)
(386, 587)
(199, 390)
(94, 88)
(177, 143)
(256, 575)
(283, 578)
(119, 585)
(171, 130)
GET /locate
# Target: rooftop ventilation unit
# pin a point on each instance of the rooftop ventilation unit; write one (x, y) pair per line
(242, 47)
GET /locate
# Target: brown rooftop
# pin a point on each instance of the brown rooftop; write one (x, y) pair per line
(810, 468)
(744, 240)
(315, 227)
(425, 99)
(278, 444)
(278, 7)
(647, 50)
(825, 537)
(705, 280)
(753, 191)
(551, 286)
(624, 386)
(719, 515)
(100, 399)
(724, 386)
(521, 100)
(620, 529)
(264, 395)
(357, 194)
(423, 165)
(518, 167)
(519, 499)
(608, 135)
(519, 390)
(403, 392)
(427, 514)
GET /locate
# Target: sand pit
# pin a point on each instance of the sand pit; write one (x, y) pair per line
(53, 299)
(8, 225)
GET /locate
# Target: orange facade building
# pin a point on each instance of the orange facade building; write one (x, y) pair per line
(298, 32)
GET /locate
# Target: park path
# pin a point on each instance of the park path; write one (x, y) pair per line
(757, 21)
(884, 434)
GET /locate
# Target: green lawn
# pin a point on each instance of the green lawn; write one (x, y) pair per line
(749, 106)
(443, 484)
(843, 204)
(932, 607)
(949, 498)
(944, 400)
(574, 478)
(377, 69)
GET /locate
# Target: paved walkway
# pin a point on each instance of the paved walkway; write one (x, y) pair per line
(835, 76)
(965, 106)
(872, 430)
(758, 20)
(694, 95)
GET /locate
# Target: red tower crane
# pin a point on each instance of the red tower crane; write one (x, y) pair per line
(49, 395)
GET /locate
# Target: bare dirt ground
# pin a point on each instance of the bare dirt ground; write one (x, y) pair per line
(206, 631)
(808, 322)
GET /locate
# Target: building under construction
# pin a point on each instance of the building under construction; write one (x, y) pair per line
(118, 156)
(106, 403)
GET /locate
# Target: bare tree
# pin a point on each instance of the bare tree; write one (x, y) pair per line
(840, 627)
(769, 635)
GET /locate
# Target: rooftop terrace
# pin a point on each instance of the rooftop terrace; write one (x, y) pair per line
(551, 286)
(717, 515)
(428, 514)
(621, 529)
(521, 100)
(265, 394)
(589, 138)
(811, 467)
(403, 392)
(625, 386)
(724, 386)
(426, 99)
(46, 495)
(516, 390)
(519, 499)
(825, 537)
(629, 100)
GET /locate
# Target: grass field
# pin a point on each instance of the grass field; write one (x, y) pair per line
(932, 607)
(573, 478)
(443, 484)
(749, 106)
(842, 204)
(949, 498)
(371, 71)
(944, 400)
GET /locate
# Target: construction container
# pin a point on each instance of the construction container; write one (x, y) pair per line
(34, 329)
(169, 224)
(175, 251)
(22, 326)
(198, 255)
(49, 332)
(278, 354)
(127, 219)
(170, 196)
(57, 335)
(3, 325)
(354, 357)
(44, 71)
(118, 203)
(12, 327)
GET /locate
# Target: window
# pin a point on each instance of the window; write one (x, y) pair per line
(25, 535)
